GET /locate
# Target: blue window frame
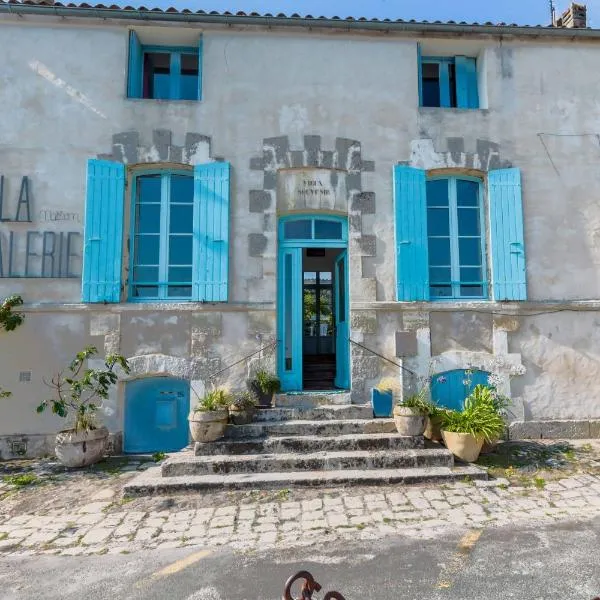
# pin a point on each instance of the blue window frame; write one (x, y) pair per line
(456, 235)
(164, 72)
(162, 240)
(319, 232)
(448, 82)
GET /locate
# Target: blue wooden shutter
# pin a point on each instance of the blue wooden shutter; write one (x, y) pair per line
(508, 241)
(412, 261)
(136, 67)
(200, 52)
(467, 94)
(103, 232)
(211, 232)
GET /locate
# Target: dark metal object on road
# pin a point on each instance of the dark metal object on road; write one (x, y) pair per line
(308, 588)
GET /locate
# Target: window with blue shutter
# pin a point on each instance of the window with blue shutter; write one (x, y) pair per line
(164, 72)
(509, 280)
(448, 82)
(410, 204)
(103, 232)
(211, 232)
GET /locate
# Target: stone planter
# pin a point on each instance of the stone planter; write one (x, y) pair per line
(433, 429)
(409, 421)
(241, 417)
(489, 447)
(82, 448)
(208, 426)
(382, 402)
(265, 400)
(464, 446)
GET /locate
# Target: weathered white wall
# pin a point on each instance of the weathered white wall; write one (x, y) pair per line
(65, 85)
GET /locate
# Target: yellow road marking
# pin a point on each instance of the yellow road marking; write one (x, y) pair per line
(175, 567)
(459, 559)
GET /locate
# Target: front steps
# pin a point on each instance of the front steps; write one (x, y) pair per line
(310, 439)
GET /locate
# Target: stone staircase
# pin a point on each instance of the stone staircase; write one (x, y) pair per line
(309, 439)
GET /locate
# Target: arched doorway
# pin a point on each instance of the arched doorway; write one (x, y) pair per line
(312, 303)
(156, 410)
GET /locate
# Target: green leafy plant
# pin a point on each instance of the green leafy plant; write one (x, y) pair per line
(218, 399)
(22, 480)
(9, 321)
(79, 391)
(479, 417)
(158, 456)
(419, 402)
(243, 400)
(266, 382)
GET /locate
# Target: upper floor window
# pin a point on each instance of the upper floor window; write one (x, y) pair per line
(448, 82)
(163, 237)
(455, 239)
(164, 73)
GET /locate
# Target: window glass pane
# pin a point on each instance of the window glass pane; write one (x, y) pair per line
(157, 75)
(452, 77)
(147, 218)
(467, 193)
(189, 77)
(145, 291)
(180, 274)
(431, 84)
(470, 275)
(473, 291)
(440, 291)
(182, 189)
(328, 230)
(147, 249)
(469, 251)
(439, 275)
(145, 274)
(180, 218)
(310, 277)
(342, 292)
(180, 249)
(288, 314)
(176, 291)
(310, 312)
(298, 230)
(437, 192)
(438, 222)
(439, 251)
(148, 188)
(325, 277)
(468, 221)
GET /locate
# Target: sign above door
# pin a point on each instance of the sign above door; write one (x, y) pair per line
(311, 189)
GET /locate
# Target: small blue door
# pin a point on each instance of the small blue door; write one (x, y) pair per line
(290, 319)
(156, 411)
(342, 329)
(449, 389)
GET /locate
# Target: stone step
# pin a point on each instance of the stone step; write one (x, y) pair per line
(151, 481)
(310, 443)
(311, 399)
(187, 464)
(319, 413)
(321, 428)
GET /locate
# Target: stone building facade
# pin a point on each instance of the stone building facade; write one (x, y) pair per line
(311, 123)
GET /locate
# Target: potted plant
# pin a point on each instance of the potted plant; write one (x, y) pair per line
(265, 385)
(465, 431)
(433, 423)
(410, 414)
(78, 395)
(382, 397)
(208, 420)
(242, 407)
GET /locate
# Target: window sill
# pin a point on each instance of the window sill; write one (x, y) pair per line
(449, 109)
(163, 101)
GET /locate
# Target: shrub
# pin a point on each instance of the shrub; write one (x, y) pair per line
(218, 399)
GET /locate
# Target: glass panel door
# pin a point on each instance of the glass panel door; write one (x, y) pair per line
(342, 329)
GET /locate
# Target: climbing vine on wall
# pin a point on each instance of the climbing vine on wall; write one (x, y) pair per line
(9, 321)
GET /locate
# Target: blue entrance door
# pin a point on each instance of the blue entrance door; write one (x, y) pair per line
(290, 319)
(342, 329)
(156, 411)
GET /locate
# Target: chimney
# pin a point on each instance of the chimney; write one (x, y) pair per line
(575, 17)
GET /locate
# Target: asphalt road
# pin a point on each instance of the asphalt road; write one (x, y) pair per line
(559, 562)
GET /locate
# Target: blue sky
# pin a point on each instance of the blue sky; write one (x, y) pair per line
(523, 12)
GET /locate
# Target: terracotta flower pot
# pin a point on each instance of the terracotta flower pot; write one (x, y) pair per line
(82, 448)
(433, 429)
(409, 421)
(208, 426)
(241, 417)
(464, 446)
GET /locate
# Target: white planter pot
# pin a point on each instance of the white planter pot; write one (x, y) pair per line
(82, 448)
(465, 446)
(408, 421)
(208, 426)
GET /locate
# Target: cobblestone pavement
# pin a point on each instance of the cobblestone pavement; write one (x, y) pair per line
(84, 513)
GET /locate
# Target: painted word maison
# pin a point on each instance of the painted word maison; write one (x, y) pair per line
(385, 198)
